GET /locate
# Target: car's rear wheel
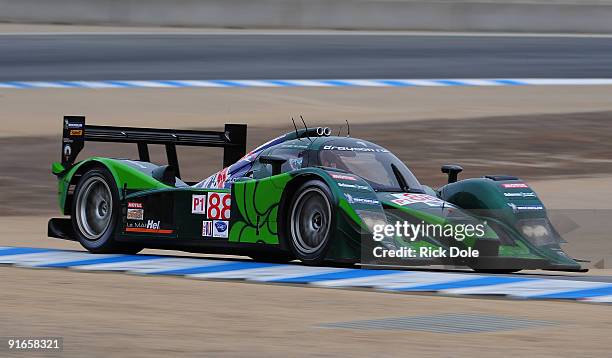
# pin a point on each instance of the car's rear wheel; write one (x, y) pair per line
(95, 213)
(311, 222)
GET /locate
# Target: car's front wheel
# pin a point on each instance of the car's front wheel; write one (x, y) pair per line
(95, 213)
(311, 222)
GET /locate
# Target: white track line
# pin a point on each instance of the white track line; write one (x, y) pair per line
(268, 273)
(536, 287)
(156, 264)
(49, 257)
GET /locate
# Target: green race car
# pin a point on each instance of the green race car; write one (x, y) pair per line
(305, 195)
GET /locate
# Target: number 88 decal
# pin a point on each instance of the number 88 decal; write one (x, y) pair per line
(219, 205)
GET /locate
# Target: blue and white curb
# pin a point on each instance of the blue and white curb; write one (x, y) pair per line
(308, 83)
(385, 280)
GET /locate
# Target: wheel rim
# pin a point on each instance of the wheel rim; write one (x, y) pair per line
(310, 220)
(94, 208)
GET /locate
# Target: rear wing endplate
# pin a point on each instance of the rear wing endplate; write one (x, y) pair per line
(76, 133)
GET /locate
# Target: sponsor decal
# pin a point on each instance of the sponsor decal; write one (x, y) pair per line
(150, 227)
(222, 178)
(352, 186)
(135, 214)
(198, 204)
(515, 185)
(355, 149)
(353, 200)
(530, 207)
(238, 169)
(219, 206)
(76, 132)
(71, 125)
(517, 208)
(208, 182)
(343, 177)
(411, 198)
(297, 146)
(133, 205)
(295, 163)
(207, 228)
(67, 150)
(521, 195)
(220, 228)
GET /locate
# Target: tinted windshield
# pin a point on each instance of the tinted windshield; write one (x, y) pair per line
(381, 169)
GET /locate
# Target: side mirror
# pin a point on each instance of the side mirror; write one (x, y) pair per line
(452, 170)
(276, 162)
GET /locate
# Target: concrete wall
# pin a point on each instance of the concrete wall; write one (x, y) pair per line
(539, 16)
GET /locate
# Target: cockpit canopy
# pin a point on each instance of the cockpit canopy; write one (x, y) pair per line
(375, 164)
(379, 167)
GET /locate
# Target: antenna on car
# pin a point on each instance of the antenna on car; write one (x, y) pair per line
(305, 126)
(297, 135)
(348, 129)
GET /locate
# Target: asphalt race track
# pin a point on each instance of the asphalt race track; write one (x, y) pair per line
(285, 56)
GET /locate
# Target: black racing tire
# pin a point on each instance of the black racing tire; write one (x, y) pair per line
(310, 222)
(96, 212)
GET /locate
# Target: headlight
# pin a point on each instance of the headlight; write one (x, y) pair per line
(535, 230)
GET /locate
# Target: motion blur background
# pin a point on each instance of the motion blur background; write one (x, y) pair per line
(582, 16)
(556, 137)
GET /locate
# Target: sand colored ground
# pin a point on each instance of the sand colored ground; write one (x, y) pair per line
(38, 112)
(575, 193)
(102, 314)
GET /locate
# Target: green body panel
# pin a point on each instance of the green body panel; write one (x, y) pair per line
(255, 209)
(178, 201)
(437, 219)
(398, 213)
(349, 211)
(256, 217)
(349, 221)
(501, 202)
(123, 174)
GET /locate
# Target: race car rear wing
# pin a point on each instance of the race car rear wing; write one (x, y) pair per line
(76, 133)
